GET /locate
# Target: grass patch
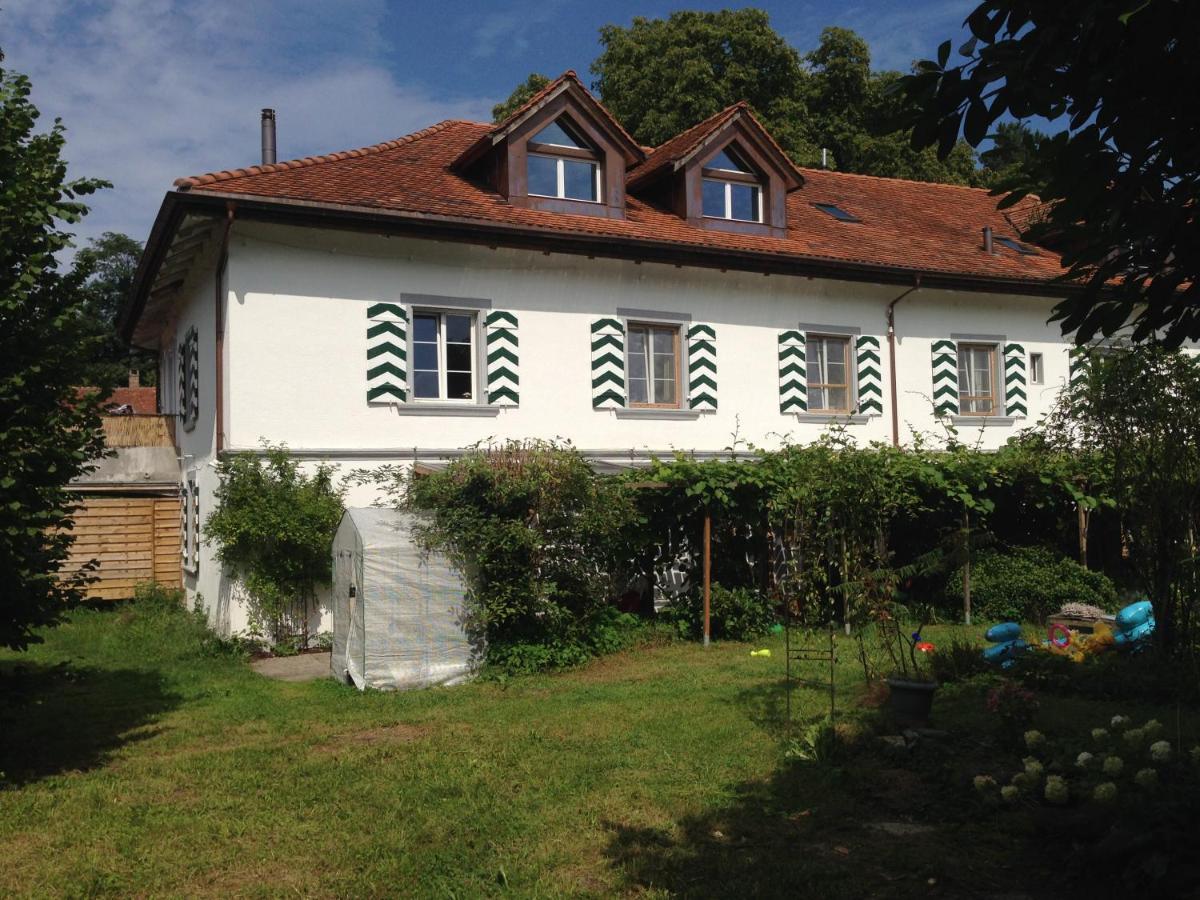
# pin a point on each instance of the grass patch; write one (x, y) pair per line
(140, 758)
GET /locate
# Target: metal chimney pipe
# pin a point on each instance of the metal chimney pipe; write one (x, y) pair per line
(268, 137)
(987, 239)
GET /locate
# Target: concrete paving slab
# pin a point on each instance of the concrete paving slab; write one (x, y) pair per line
(302, 667)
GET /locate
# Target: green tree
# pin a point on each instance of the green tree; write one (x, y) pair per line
(47, 432)
(519, 97)
(1015, 157)
(854, 113)
(1122, 177)
(110, 262)
(662, 76)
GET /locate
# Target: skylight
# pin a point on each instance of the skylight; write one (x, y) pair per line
(837, 212)
(1023, 249)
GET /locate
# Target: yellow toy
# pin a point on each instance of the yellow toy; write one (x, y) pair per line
(765, 651)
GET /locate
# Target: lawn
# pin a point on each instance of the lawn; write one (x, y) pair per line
(138, 763)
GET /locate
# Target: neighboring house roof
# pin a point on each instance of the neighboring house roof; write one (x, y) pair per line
(142, 401)
(913, 225)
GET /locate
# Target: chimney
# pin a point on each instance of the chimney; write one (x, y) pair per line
(268, 137)
(987, 240)
(135, 379)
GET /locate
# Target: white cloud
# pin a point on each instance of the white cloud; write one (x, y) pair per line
(151, 90)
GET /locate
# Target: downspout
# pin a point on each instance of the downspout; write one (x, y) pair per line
(219, 343)
(891, 339)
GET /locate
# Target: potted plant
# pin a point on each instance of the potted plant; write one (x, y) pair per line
(910, 686)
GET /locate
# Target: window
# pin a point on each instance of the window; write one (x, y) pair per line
(563, 165)
(977, 379)
(828, 374)
(653, 365)
(837, 212)
(1037, 371)
(730, 189)
(1023, 249)
(443, 347)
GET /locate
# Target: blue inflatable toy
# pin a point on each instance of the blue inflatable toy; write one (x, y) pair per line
(1006, 644)
(1134, 626)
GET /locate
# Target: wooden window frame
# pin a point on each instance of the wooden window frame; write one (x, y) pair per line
(476, 343)
(964, 399)
(677, 332)
(848, 361)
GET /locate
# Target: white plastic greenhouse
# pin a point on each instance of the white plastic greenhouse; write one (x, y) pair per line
(398, 614)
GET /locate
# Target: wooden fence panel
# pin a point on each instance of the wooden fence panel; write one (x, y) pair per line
(134, 539)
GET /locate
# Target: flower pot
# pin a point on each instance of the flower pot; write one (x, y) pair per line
(910, 702)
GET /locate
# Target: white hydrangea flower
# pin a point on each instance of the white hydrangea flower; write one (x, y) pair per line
(1195, 754)
(1023, 781)
(1033, 768)
(1160, 751)
(1113, 765)
(1134, 737)
(1099, 734)
(1147, 778)
(984, 783)
(1105, 793)
(1056, 790)
(1119, 722)
(1084, 759)
(1034, 739)
(1009, 793)
(1152, 729)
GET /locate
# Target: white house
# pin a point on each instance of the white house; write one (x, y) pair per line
(549, 277)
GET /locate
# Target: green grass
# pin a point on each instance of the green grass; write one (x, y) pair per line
(135, 764)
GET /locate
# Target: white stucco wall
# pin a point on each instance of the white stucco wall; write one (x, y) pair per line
(295, 354)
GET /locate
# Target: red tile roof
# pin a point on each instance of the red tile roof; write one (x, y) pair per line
(905, 225)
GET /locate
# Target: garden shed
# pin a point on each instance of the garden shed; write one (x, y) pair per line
(399, 615)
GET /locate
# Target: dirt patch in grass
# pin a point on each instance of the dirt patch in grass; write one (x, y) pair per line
(384, 735)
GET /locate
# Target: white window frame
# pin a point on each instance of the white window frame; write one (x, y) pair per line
(561, 177)
(850, 362)
(476, 343)
(680, 364)
(729, 216)
(996, 348)
(1037, 368)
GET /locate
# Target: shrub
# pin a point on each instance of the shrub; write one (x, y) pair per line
(1028, 584)
(957, 661)
(740, 614)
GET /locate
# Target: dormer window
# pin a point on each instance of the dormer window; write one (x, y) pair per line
(562, 165)
(731, 189)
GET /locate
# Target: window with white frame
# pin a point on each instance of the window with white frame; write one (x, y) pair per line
(977, 380)
(1037, 369)
(730, 188)
(829, 373)
(653, 365)
(444, 358)
(561, 164)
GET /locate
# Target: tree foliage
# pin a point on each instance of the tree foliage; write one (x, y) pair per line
(47, 433)
(519, 96)
(111, 262)
(273, 526)
(1120, 183)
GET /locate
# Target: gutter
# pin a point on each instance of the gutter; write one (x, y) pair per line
(495, 234)
(891, 339)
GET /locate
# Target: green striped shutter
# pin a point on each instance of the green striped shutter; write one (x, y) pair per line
(1077, 361)
(945, 378)
(870, 375)
(608, 364)
(503, 379)
(793, 374)
(702, 367)
(1015, 398)
(387, 353)
(189, 379)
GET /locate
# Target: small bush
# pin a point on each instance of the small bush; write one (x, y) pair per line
(957, 661)
(1027, 584)
(740, 614)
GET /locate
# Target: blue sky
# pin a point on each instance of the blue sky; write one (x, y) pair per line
(151, 90)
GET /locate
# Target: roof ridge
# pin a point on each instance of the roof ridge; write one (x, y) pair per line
(225, 175)
(947, 184)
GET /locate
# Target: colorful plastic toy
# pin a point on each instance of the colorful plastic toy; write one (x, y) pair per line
(1007, 644)
(1134, 626)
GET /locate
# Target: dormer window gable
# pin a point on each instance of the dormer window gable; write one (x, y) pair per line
(561, 152)
(724, 174)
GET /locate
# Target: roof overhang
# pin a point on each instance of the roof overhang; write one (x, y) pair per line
(182, 213)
